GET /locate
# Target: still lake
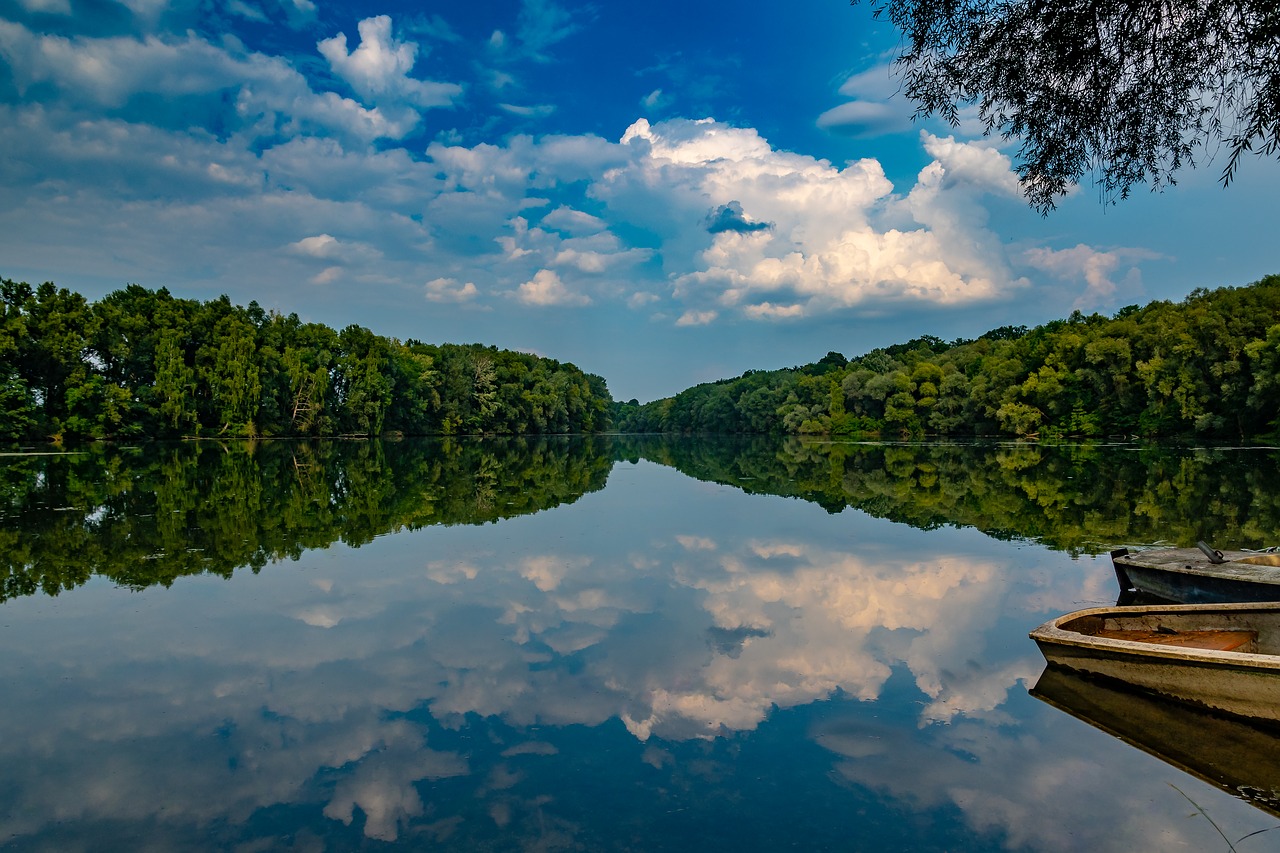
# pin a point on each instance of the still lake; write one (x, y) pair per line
(614, 643)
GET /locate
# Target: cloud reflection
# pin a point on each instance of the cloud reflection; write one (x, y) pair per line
(325, 683)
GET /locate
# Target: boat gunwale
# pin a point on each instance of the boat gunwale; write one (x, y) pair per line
(1189, 561)
(1052, 633)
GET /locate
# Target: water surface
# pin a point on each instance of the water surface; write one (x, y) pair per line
(601, 644)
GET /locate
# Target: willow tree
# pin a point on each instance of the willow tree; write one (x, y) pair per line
(1127, 91)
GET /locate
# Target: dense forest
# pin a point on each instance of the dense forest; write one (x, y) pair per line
(1208, 366)
(142, 363)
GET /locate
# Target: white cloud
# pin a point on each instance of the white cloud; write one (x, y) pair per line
(531, 111)
(379, 67)
(876, 108)
(450, 290)
(697, 318)
(769, 311)
(546, 289)
(573, 222)
(328, 275)
(325, 247)
(475, 214)
(975, 164)
(270, 94)
(319, 246)
(861, 118)
(107, 71)
(823, 251)
(1096, 268)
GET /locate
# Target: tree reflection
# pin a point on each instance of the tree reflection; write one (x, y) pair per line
(146, 516)
(149, 515)
(1080, 498)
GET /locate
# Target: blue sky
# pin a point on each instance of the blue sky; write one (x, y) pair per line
(662, 193)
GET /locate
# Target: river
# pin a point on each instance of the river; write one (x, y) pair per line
(610, 643)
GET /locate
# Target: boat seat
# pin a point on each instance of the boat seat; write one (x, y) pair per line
(1222, 641)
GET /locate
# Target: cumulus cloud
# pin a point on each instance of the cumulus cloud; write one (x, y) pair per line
(823, 251)
(573, 222)
(270, 95)
(706, 218)
(327, 248)
(107, 71)
(379, 67)
(978, 165)
(319, 246)
(546, 289)
(450, 290)
(1097, 268)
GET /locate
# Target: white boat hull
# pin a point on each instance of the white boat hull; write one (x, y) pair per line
(1245, 683)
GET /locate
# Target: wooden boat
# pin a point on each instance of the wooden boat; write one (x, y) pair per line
(1199, 575)
(1232, 754)
(1222, 656)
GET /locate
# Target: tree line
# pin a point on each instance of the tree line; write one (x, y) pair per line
(142, 363)
(1208, 366)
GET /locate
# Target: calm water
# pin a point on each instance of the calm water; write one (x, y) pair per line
(599, 644)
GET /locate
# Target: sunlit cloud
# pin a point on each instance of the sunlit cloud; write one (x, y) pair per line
(450, 290)
(546, 289)
(379, 67)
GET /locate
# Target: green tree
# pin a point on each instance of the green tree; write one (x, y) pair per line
(363, 381)
(59, 325)
(229, 372)
(1125, 91)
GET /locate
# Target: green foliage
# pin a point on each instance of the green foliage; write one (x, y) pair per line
(1080, 498)
(148, 516)
(1207, 367)
(140, 363)
(1123, 91)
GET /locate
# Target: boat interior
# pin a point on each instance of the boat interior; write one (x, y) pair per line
(1240, 631)
(1260, 560)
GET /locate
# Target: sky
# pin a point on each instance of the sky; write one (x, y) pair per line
(661, 193)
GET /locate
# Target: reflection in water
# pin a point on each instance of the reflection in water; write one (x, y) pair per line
(1081, 498)
(148, 516)
(664, 663)
(145, 516)
(1233, 754)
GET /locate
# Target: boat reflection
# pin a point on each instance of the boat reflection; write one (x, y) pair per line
(1238, 757)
